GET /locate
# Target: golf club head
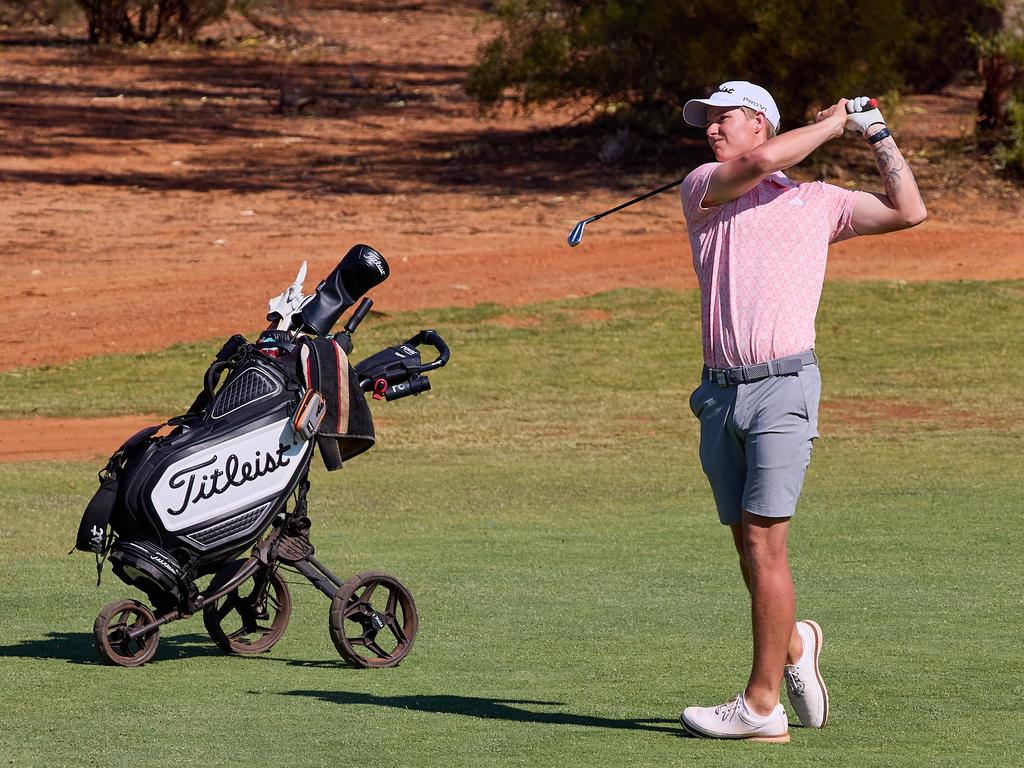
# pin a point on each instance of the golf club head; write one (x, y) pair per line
(577, 233)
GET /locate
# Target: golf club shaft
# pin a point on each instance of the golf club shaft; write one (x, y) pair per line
(644, 196)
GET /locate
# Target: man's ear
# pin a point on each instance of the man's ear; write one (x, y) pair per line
(761, 122)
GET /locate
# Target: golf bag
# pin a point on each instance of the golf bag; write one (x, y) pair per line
(184, 499)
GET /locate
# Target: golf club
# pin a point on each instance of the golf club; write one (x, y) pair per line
(576, 235)
(577, 232)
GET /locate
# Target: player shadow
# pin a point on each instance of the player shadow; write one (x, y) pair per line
(79, 648)
(513, 710)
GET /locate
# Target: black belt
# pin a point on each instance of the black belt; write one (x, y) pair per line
(745, 374)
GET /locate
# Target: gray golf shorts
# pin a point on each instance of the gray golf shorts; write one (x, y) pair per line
(755, 441)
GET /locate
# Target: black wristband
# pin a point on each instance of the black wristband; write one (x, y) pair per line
(882, 134)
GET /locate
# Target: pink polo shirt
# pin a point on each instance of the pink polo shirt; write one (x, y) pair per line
(760, 262)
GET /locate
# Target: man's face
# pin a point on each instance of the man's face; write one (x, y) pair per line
(731, 133)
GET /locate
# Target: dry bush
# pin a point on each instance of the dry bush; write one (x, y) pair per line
(25, 13)
(145, 21)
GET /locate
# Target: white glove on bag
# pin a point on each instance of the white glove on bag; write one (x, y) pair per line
(282, 307)
(862, 113)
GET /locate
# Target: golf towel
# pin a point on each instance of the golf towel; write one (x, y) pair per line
(347, 429)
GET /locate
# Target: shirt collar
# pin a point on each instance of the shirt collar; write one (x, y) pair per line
(780, 179)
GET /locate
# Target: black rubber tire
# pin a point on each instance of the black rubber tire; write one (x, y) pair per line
(352, 610)
(109, 634)
(254, 627)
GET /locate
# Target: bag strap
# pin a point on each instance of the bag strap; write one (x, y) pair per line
(92, 531)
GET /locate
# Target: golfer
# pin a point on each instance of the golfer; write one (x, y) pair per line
(759, 243)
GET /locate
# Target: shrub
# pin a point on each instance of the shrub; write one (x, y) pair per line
(44, 12)
(1010, 153)
(654, 54)
(134, 21)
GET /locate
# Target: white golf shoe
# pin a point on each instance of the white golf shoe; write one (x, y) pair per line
(733, 720)
(807, 691)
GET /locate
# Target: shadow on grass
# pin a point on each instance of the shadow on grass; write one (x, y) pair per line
(78, 648)
(490, 709)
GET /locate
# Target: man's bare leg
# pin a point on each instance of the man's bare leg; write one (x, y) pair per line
(765, 566)
(795, 644)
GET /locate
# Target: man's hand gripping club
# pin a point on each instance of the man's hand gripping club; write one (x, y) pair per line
(862, 113)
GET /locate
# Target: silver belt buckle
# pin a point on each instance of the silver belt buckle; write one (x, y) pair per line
(790, 365)
(720, 378)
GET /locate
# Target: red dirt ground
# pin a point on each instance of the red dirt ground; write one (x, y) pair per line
(160, 195)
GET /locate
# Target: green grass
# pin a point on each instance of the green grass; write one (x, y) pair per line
(940, 352)
(545, 505)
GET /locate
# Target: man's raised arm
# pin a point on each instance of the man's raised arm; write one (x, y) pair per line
(901, 206)
(742, 173)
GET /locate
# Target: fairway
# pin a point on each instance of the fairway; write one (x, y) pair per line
(545, 505)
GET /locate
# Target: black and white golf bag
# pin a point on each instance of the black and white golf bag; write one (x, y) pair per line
(180, 500)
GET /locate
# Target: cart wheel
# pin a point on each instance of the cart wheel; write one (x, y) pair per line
(252, 618)
(369, 636)
(110, 632)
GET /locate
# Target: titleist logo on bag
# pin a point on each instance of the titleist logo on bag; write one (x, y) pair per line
(228, 476)
(219, 476)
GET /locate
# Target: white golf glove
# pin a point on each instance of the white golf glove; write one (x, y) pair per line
(862, 113)
(282, 307)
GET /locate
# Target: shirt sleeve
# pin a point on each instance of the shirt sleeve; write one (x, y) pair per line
(840, 211)
(694, 187)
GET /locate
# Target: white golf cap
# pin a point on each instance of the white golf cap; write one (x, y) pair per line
(735, 93)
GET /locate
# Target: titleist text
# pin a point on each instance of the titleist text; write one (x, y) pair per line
(234, 474)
